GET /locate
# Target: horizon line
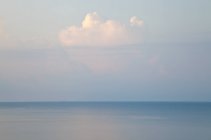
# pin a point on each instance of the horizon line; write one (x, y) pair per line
(104, 101)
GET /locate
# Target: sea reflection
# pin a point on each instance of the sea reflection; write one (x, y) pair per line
(110, 122)
(25, 125)
(91, 128)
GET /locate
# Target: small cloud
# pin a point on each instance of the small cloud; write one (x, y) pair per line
(94, 31)
(2, 32)
(135, 21)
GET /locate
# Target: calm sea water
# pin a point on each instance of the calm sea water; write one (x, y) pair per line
(105, 121)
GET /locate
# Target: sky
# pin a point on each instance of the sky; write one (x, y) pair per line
(105, 50)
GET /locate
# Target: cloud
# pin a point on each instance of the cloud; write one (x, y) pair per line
(5, 39)
(94, 31)
(97, 32)
(99, 63)
(2, 32)
(105, 61)
(135, 21)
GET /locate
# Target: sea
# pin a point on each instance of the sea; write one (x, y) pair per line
(105, 121)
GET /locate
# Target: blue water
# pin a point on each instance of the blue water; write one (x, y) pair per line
(105, 121)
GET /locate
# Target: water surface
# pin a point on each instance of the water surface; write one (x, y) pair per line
(105, 121)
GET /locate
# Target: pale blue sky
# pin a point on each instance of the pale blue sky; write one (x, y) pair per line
(171, 62)
(164, 19)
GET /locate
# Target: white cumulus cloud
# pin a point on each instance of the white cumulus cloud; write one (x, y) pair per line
(94, 31)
